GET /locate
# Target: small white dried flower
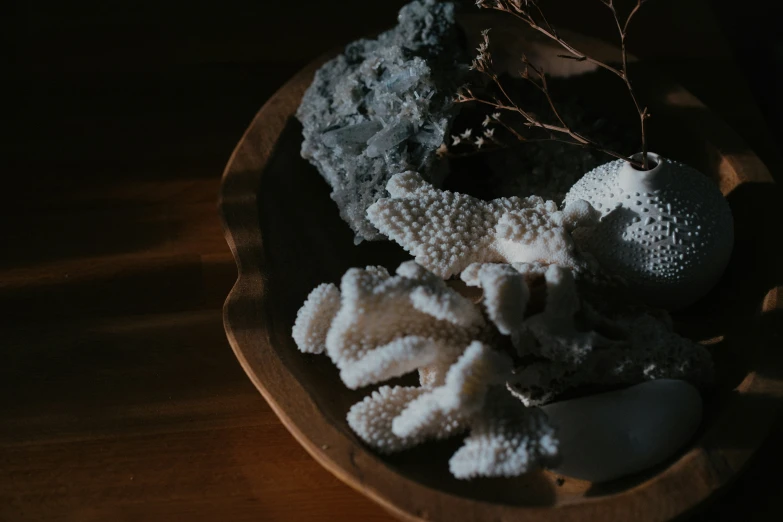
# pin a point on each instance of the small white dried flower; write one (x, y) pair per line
(495, 115)
(489, 133)
(455, 140)
(487, 121)
(466, 134)
(479, 142)
(484, 45)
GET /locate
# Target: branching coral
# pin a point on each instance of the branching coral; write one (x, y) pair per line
(389, 326)
(505, 440)
(395, 418)
(315, 318)
(463, 392)
(378, 326)
(505, 294)
(372, 418)
(385, 326)
(447, 231)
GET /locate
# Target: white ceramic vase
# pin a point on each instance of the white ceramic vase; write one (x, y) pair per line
(668, 231)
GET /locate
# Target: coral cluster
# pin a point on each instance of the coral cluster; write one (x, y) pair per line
(388, 326)
(385, 326)
(377, 326)
(447, 231)
(382, 107)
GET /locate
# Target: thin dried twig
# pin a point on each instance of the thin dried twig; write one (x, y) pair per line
(623, 30)
(531, 13)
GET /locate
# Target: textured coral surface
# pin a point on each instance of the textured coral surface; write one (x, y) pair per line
(447, 231)
(377, 326)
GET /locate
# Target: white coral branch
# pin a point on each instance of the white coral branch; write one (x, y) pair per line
(505, 294)
(383, 326)
(388, 326)
(462, 394)
(378, 326)
(447, 231)
(556, 333)
(315, 317)
(508, 439)
(371, 419)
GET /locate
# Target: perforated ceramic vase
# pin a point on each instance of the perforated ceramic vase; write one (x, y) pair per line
(667, 231)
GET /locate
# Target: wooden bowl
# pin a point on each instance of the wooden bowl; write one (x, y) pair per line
(287, 237)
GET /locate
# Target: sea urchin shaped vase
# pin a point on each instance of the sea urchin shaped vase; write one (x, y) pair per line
(667, 231)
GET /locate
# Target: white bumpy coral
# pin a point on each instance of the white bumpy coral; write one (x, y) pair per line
(378, 326)
(372, 419)
(447, 231)
(462, 394)
(506, 440)
(389, 326)
(315, 318)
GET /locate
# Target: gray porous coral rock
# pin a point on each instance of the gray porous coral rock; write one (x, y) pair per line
(382, 107)
(583, 338)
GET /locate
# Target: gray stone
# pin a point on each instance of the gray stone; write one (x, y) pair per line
(611, 435)
(383, 107)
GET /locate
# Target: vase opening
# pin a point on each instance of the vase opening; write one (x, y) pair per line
(653, 160)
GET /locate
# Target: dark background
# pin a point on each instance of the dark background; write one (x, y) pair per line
(121, 118)
(132, 78)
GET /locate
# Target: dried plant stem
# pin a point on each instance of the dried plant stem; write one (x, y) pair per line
(575, 53)
(521, 9)
(579, 139)
(623, 30)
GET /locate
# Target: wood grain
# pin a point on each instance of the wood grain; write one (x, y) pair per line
(286, 237)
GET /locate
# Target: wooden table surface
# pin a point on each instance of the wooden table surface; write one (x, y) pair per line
(120, 398)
